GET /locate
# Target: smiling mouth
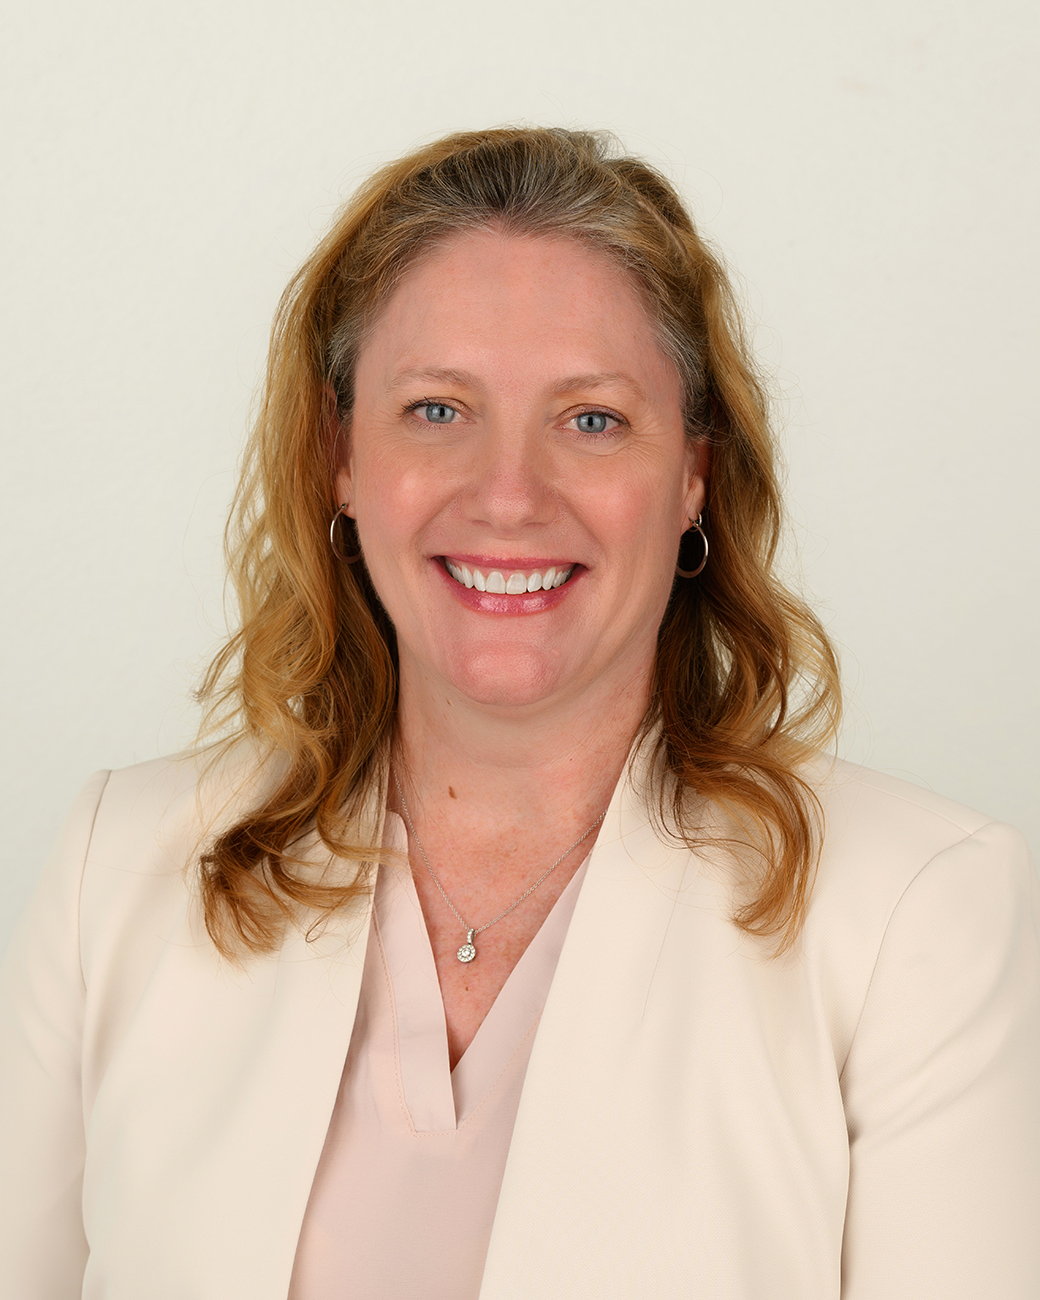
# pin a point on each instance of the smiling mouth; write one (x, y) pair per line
(512, 582)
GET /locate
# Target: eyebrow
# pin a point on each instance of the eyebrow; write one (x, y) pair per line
(435, 373)
(569, 384)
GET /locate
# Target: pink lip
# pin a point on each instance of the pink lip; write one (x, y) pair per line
(486, 562)
(535, 602)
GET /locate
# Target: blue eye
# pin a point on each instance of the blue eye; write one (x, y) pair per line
(592, 422)
(438, 413)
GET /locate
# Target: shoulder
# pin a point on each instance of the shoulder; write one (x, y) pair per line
(889, 829)
(153, 816)
(902, 865)
(141, 839)
(119, 878)
(847, 789)
(190, 792)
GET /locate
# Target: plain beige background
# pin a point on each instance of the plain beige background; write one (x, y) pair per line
(868, 170)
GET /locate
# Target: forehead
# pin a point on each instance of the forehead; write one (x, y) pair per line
(524, 302)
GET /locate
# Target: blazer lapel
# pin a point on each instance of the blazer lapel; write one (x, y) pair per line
(212, 1115)
(590, 1026)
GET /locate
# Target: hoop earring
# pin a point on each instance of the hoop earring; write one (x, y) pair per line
(695, 526)
(347, 559)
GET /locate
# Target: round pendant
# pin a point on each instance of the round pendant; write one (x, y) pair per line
(467, 952)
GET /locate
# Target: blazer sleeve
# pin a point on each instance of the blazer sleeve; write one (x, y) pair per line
(942, 1086)
(43, 1251)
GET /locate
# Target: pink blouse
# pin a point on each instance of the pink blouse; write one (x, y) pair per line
(405, 1192)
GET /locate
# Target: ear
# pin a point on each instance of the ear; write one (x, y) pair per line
(337, 447)
(698, 465)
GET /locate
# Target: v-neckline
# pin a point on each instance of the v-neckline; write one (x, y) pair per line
(437, 1098)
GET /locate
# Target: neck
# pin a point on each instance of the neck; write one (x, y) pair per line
(543, 773)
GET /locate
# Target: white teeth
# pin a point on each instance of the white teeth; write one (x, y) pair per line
(517, 584)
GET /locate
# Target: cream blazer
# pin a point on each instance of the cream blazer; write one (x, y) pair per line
(859, 1119)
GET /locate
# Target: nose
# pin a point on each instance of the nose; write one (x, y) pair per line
(510, 481)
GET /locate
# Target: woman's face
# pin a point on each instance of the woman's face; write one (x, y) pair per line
(519, 474)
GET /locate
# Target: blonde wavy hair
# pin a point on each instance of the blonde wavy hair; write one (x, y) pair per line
(745, 685)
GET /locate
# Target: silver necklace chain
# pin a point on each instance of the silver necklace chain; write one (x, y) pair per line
(468, 950)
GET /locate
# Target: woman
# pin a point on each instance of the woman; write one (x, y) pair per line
(520, 941)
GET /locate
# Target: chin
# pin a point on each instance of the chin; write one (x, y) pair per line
(505, 676)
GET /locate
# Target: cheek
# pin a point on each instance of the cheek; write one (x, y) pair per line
(393, 504)
(644, 515)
